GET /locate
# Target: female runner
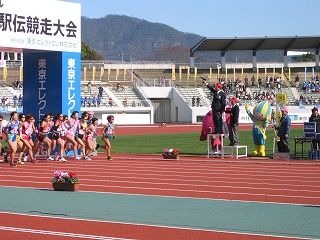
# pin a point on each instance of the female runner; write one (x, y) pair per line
(81, 132)
(90, 134)
(12, 130)
(27, 129)
(58, 136)
(43, 134)
(73, 125)
(108, 133)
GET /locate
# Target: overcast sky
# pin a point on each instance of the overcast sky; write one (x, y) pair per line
(218, 19)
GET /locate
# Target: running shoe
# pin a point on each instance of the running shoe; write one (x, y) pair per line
(50, 158)
(110, 158)
(33, 160)
(77, 157)
(20, 162)
(13, 165)
(62, 159)
(5, 158)
(87, 158)
(25, 158)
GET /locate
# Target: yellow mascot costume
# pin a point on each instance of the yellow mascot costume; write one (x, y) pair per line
(260, 118)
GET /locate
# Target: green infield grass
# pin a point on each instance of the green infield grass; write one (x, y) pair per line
(187, 143)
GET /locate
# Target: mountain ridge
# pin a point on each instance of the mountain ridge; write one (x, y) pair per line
(124, 38)
(116, 35)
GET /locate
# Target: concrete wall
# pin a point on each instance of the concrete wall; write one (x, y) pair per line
(180, 110)
(127, 119)
(158, 92)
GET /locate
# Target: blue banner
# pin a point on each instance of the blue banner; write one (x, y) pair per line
(51, 82)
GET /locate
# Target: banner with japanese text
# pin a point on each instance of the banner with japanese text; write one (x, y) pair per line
(42, 25)
(52, 83)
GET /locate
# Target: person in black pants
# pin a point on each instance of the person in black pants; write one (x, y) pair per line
(284, 131)
(218, 105)
(234, 122)
(315, 117)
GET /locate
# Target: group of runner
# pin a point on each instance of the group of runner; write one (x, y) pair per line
(77, 133)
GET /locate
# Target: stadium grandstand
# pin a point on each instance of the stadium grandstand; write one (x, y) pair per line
(164, 92)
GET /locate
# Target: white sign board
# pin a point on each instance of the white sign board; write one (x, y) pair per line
(127, 119)
(40, 24)
(3, 63)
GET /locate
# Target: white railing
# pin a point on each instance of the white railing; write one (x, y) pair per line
(169, 65)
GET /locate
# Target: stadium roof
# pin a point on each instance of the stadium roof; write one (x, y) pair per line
(256, 44)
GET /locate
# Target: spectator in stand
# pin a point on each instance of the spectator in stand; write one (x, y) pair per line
(3, 101)
(94, 100)
(253, 79)
(198, 101)
(100, 88)
(259, 82)
(19, 84)
(297, 79)
(279, 83)
(110, 102)
(246, 81)
(85, 101)
(98, 101)
(16, 83)
(193, 101)
(15, 101)
(267, 82)
(20, 99)
(133, 104)
(125, 102)
(317, 79)
(89, 101)
(82, 101)
(89, 86)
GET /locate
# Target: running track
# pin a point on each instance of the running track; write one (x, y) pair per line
(293, 183)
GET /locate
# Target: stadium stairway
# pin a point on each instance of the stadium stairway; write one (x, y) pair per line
(132, 96)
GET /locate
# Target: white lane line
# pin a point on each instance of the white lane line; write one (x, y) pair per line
(64, 234)
(152, 225)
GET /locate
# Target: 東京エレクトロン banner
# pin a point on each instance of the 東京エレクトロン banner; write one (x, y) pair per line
(51, 83)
